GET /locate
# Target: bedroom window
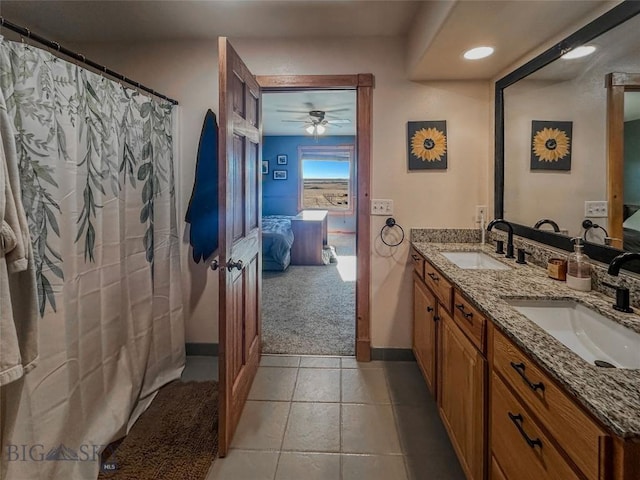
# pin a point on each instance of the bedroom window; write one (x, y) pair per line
(326, 180)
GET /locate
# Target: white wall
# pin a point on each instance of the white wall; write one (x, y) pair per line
(187, 72)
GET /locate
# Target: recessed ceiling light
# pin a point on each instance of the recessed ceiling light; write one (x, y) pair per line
(478, 53)
(578, 52)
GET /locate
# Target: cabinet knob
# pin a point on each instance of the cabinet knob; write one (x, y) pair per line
(429, 309)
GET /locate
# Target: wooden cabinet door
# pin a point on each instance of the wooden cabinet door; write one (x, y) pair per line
(461, 387)
(425, 331)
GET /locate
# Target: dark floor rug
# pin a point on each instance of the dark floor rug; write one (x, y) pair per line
(176, 438)
(310, 309)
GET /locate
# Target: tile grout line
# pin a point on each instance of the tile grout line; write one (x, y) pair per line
(340, 421)
(396, 423)
(286, 424)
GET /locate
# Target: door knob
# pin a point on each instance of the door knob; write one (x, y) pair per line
(214, 265)
(231, 264)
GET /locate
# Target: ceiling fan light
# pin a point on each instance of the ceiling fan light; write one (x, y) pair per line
(321, 129)
(310, 129)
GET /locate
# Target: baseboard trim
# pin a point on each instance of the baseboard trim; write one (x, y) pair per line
(203, 349)
(393, 354)
(363, 350)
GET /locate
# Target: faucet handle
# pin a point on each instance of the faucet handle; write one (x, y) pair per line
(499, 246)
(521, 253)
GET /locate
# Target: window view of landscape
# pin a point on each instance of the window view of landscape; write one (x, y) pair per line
(326, 184)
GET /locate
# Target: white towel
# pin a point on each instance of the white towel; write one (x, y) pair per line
(18, 292)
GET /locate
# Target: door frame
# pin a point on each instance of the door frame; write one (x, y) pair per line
(363, 84)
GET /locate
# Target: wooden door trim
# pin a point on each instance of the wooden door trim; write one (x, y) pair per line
(363, 84)
(617, 83)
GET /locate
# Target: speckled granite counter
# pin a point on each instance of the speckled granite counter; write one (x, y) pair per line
(611, 395)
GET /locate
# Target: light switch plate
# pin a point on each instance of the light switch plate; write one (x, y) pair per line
(381, 207)
(596, 209)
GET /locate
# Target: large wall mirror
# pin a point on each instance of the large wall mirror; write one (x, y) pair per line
(567, 133)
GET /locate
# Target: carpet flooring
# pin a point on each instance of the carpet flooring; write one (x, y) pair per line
(311, 309)
(176, 438)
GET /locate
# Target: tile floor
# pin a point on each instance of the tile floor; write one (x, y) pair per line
(330, 418)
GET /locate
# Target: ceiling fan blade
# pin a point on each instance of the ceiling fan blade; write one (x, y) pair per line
(338, 121)
(306, 112)
(296, 121)
(333, 110)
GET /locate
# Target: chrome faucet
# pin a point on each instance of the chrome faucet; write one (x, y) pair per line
(548, 221)
(509, 235)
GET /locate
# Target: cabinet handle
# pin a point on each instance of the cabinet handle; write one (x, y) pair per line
(429, 309)
(517, 421)
(519, 367)
(415, 257)
(433, 277)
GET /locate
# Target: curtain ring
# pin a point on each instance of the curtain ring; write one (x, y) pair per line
(28, 33)
(57, 46)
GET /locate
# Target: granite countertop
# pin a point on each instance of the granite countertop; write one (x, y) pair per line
(610, 394)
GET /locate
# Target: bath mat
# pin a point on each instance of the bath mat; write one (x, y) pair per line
(176, 438)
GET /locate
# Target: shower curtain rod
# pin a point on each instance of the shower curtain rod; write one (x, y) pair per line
(25, 32)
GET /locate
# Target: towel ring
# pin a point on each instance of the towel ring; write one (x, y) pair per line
(390, 223)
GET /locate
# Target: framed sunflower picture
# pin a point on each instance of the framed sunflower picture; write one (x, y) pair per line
(427, 145)
(551, 144)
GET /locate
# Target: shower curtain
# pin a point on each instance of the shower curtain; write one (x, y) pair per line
(96, 171)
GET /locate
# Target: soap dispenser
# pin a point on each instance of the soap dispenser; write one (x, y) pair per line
(578, 268)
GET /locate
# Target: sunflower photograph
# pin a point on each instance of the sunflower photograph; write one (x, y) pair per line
(427, 145)
(551, 145)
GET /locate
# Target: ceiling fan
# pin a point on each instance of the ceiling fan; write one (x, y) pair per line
(317, 121)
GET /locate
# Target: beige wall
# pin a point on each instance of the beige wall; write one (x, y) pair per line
(187, 72)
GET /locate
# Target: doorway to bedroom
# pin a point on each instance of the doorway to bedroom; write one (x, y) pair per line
(309, 222)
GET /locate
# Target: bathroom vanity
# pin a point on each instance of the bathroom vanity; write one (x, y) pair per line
(517, 403)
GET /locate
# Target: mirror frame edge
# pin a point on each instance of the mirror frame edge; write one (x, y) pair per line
(611, 19)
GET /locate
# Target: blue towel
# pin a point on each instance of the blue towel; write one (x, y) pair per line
(202, 212)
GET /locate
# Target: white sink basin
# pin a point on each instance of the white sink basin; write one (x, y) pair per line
(474, 261)
(586, 332)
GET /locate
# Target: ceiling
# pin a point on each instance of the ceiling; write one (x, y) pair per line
(107, 21)
(302, 102)
(513, 28)
(437, 31)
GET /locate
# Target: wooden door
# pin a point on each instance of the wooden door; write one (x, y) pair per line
(461, 393)
(240, 193)
(424, 331)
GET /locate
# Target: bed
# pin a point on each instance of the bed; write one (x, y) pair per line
(277, 239)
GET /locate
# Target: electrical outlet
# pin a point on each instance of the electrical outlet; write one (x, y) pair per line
(481, 210)
(597, 209)
(381, 207)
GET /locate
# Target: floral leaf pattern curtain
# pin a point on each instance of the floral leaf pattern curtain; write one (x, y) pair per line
(97, 177)
(122, 135)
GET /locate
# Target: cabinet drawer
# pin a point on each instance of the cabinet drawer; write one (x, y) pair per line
(418, 262)
(439, 285)
(472, 322)
(519, 445)
(574, 431)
